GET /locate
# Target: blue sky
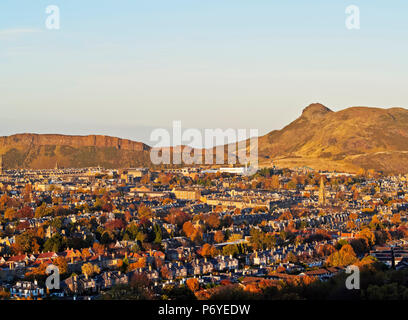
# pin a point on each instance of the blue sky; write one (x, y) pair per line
(125, 67)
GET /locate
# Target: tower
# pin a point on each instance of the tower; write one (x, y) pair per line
(322, 194)
(1, 164)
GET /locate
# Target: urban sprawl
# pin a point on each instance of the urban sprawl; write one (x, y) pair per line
(193, 232)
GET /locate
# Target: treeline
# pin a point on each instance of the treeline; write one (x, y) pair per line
(377, 282)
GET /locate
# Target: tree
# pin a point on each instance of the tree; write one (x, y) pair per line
(208, 250)
(43, 211)
(4, 295)
(158, 237)
(274, 184)
(188, 228)
(219, 236)
(4, 201)
(286, 216)
(141, 263)
(396, 219)
(107, 237)
(53, 244)
(144, 212)
(115, 224)
(230, 250)
(10, 214)
(367, 234)
(257, 239)
(98, 248)
(193, 284)
(24, 243)
(344, 257)
(177, 216)
(62, 265)
(351, 225)
(375, 223)
(325, 250)
(138, 289)
(26, 212)
(213, 220)
(89, 269)
(86, 253)
(166, 273)
(290, 257)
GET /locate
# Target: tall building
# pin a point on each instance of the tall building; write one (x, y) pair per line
(322, 193)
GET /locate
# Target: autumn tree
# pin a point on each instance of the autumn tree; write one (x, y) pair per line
(10, 214)
(86, 253)
(62, 265)
(89, 269)
(396, 219)
(219, 236)
(344, 257)
(367, 234)
(213, 220)
(98, 248)
(144, 212)
(208, 250)
(188, 228)
(25, 212)
(230, 250)
(193, 284)
(43, 211)
(325, 250)
(260, 240)
(115, 224)
(25, 242)
(177, 217)
(375, 223)
(286, 216)
(141, 263)
(166, 273)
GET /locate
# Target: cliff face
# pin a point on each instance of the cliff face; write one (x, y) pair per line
(29, 139)
(41, 151)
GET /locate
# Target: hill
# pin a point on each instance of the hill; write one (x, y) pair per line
(353, 138)
(347, 140)
(42, 151)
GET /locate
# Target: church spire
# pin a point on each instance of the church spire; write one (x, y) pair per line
(322, 193)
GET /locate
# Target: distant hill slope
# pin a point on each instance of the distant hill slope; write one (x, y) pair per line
(347, 140)
(41, 151)
(353, 138)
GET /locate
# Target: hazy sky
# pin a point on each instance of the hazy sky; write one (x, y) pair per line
(124, 67)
